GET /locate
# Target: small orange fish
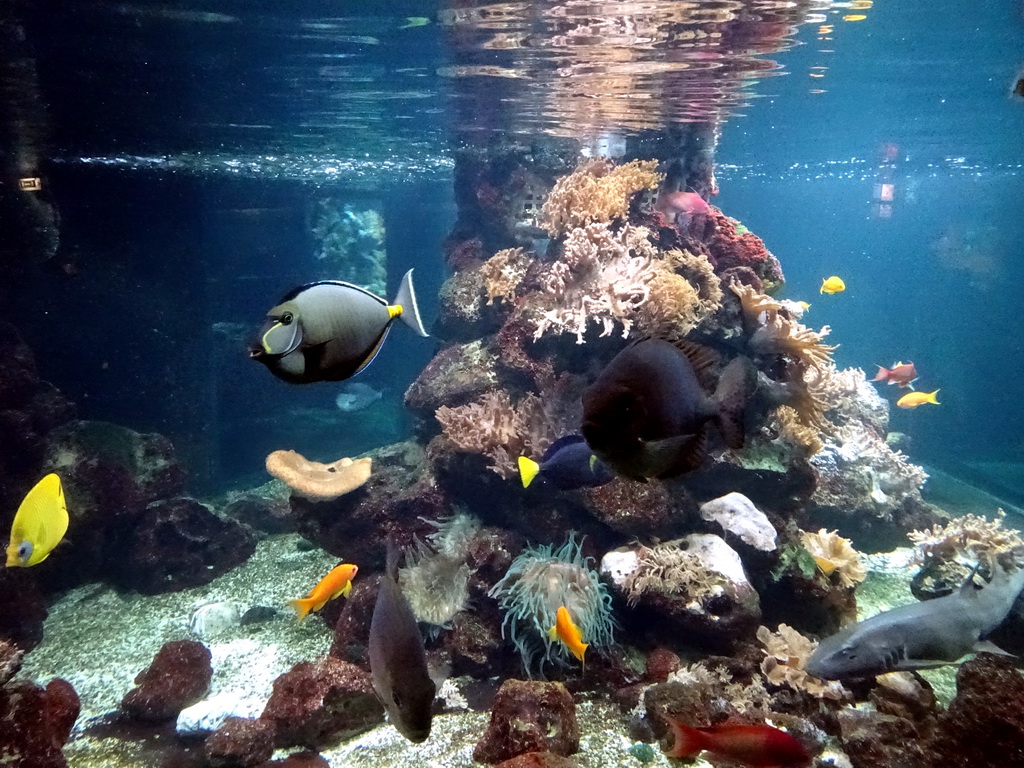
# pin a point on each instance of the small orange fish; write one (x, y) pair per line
(337, 582)
(914, 399)
(902, 374)
(570, 635)
(758, 746)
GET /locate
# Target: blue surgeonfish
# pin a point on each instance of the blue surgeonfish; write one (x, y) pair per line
(330, 330)
(647, 413)
(924, 635)
(567, 464)
(398, 662)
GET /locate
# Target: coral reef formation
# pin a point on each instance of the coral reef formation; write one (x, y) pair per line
(834, 555)
(786, 653)
(315, 481)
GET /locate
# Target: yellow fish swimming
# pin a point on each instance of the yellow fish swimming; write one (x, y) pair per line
(914, 399)
(570, 635)
(40, 524)
(832, 284)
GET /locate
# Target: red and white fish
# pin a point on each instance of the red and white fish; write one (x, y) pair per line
(757, 746)
(681, 206)
(902, 374)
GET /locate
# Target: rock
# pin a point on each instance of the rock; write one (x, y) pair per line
(10, 661)
(35, 722)
(179, 543)
(239, 743)
(22, 608)
(529, 716)
(738, 515)
(316, 704)
(178, 676)
(301, 760)
(660, 663)
(352, 628)
(638, 509)
(538, 760)
(265, 508)
(208, 715)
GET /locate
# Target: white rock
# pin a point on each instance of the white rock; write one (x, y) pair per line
(738, 515)
(214, 618)
(618, 564)
(209, 714)
(715, 555)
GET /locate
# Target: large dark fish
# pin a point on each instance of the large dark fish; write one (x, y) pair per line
(567, 464)
(330, 331)
(398, 663)
(646, 414)
(921, 635)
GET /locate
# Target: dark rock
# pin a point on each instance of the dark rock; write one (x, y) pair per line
(639, 509)
(10, 661)
(259, 614)
(352, 629)
(660, 663)
(22, 608)
(464, 314)
(240, 742)
(317, 704)
(178, 677)
(529, 716)
(262, 510)
(539, 760)
(35, 722)
(457, 375)
(179, 543)
(475, 645)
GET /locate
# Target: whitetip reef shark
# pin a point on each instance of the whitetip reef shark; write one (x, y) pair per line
(924, 635)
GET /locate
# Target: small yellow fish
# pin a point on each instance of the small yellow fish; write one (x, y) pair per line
(914, 399)
(832, 284)
(805, 305)
(39, 525)
(570, 635)
(335, 584)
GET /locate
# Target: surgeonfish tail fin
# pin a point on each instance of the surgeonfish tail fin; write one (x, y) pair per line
(406, 299)
(302, 607)
(528, 469)
(735, 388)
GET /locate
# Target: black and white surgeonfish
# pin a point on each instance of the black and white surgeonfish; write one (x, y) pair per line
(330, 330)
(647, 413)
(398, 663)
(567, 464)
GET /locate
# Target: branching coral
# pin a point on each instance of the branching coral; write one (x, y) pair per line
(597, 191)
(793, 430)
(972, 536)
(435, 579)
(502, 273)
(848, 396)
(835, 555)
(539, 581)
(786, 653)
(683, 292)
(503, 432)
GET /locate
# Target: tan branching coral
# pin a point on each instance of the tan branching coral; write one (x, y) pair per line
(683, 292)
(670, 570)
(502, 273)
(835, 555)
(597, 191)
(496, 428)
(793, 430)
(972, 536)
(757, 307)
(316, 481)
(786, 654)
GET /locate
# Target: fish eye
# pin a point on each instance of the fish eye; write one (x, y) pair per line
(25, 550)
(287, 318)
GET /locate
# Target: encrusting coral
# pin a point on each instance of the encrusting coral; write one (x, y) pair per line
(597, 191)
(786, 653)
(835, 555)
(502, 273)
(539, 581)
(972, 536)
(316, 481)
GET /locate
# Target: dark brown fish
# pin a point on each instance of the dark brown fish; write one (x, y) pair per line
(646, 414)
(398, 663)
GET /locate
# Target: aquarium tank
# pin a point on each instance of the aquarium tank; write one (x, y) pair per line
(543, 383)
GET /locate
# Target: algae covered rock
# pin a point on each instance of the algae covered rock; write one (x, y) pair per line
(178, 676)
(529, 716)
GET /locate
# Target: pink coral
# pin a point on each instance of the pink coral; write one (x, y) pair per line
(732, 249)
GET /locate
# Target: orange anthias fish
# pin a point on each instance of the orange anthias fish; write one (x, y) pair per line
(758, 746)
(914, 399)
(337, 582)
(570, 635)
(902, 374)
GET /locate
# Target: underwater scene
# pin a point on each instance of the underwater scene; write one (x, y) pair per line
(534, 384)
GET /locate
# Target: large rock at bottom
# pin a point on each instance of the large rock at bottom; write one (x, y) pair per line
(178, 676)
(538, 760)
(240, 742)
(317, 704)
(35, 722)
(984, 724)
(22, 608)
(179, 543)
(529, 716)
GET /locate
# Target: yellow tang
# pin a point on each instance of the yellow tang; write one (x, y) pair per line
(40, 524)
(914, 399)
(832, 284)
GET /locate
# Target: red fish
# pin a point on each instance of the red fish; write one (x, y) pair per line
(902, 374)
(758, 746)
(685, 204)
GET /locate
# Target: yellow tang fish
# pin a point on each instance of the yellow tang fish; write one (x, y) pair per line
(832, 284)
(40, 524)
(914, 399)
(566, 631)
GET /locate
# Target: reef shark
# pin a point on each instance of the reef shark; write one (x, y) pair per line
(928, 634)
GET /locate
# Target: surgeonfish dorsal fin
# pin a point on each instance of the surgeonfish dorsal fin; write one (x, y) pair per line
(406, 299)
(559, 444)
(701, 358)
(393, 556)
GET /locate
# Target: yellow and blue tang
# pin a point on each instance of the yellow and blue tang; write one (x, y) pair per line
(39, 525)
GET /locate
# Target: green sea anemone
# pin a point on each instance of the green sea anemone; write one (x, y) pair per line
(539, 581)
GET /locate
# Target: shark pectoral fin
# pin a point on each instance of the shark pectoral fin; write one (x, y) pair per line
(987, 646)
(911, 665)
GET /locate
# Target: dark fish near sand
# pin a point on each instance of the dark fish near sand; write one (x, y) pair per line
(355, 396)
(646, 414)
(330, 331)
(928, 634)
(567, 464)
(398, 663)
